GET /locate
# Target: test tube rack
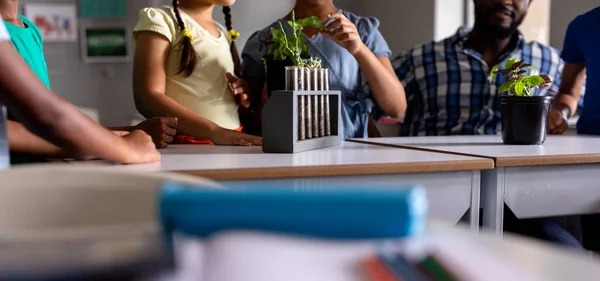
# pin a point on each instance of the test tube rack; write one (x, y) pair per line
(305, 116)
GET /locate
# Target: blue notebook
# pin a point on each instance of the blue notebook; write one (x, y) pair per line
(359, 213)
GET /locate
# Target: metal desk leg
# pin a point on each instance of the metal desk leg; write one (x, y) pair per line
(492, 199)
(475, 200)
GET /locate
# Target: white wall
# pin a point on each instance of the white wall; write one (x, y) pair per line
(105, 87)
(249, 16)
(562, 13)
(449, 15)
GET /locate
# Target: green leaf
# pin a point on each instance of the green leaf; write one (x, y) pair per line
(519, 88)
(311, 22)
(277, 34)
(506, 86)
(535, 81)
(492, 72)
(510, 62)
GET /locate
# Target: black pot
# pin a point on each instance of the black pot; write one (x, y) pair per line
(275, 71)
(525, 119)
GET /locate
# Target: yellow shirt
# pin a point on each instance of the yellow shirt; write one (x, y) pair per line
(206, 92)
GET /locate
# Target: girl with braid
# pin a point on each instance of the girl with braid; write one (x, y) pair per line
(187, 66)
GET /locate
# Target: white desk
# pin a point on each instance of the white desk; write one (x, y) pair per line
(351, 164)
(557, 178)
(296, 259)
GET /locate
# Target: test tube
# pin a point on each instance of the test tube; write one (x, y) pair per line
(301, 79)
(325, 87)
(308, 121)
(301, 118)
(291, 78)
(322, 115)
(315, 112)
(315, 73)
(325, 79)
(307, 78)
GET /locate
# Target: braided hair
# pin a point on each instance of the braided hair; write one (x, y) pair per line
(234, 52)
(189, 57)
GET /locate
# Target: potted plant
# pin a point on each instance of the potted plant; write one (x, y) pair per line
(524, 116)
(287, 50)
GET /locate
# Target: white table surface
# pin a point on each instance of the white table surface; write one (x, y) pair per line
(227, 162)
(563, 149)
(351, 164)
(296, 259)
(557, 178)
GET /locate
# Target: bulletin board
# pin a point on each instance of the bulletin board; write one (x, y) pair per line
(103, 8)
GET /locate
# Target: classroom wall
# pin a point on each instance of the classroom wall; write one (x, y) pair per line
(562, 13)
(105, 87)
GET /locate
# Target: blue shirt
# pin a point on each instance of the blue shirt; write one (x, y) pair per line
(344, 72)
(447, 85)
(582, 46)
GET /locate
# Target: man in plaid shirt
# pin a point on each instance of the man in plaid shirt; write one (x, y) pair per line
(448, 91)
(446, 82)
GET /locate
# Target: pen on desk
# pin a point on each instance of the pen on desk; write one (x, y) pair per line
(403, 268)
(377, 270)
(436, 269)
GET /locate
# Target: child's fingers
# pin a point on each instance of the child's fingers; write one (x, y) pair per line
(237, 91)
(167, 138)
(238, 83)
(242, 142)
(255, 140)
(244, 101)
(231, 77)
(170, 121)
(169, 131)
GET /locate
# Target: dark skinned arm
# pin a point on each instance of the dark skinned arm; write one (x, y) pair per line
(52, 118)
(565, 103)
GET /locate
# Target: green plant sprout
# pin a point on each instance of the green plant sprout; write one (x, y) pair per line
(517, 83)
(294, 46)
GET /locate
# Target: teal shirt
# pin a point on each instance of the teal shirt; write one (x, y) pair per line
(28, 42)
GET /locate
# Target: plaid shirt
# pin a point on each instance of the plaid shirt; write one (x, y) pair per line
(447, 85)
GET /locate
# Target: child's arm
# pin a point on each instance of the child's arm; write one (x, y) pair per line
(149, 79)
(161, 129)
(61, 123)
(387, 89)
(20, 140)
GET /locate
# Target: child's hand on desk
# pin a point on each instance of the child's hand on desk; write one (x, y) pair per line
(344, 32)
(231, 137)
(161, 129)
(239, 88)
(142, 148)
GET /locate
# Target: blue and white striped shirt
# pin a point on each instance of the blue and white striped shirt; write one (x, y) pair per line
(447, 85)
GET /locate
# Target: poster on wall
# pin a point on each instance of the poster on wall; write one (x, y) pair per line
(57, 22)
(103, 43)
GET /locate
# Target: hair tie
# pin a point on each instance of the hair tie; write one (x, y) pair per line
(186, 33)
(233, 34)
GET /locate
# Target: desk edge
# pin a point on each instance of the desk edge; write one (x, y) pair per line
(341, 170)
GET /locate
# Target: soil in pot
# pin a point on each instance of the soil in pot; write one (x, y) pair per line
(525, 119)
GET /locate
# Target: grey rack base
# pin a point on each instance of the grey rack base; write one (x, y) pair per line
(280, 123)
